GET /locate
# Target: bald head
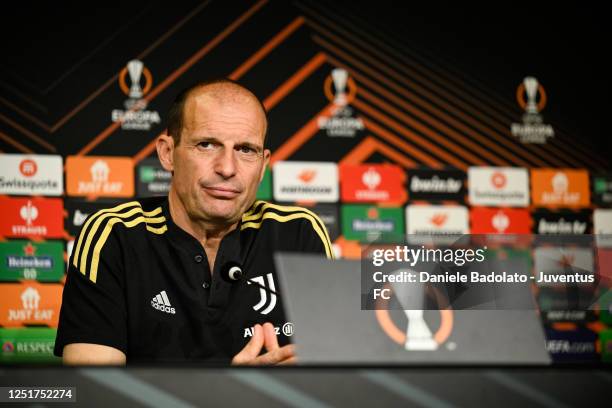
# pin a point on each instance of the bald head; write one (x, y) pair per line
(218, 91)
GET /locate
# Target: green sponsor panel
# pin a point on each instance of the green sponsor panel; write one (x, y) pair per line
(264, 192)
(367, 223)
(28, 345)
(147, 174)
(605, 339)
(21, 259)
(605, 305)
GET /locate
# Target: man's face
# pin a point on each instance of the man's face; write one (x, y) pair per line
(220, 159)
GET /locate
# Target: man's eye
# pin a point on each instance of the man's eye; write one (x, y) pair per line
(206, 145)
(246, 150)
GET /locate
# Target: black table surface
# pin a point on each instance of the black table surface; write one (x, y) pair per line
(448, 386)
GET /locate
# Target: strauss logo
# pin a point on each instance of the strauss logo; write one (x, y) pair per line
(28, 213)
(371, 178)
(500, 222)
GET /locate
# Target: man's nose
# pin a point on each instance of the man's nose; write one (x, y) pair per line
(225, 163)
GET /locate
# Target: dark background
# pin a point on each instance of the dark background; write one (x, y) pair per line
(55, 53)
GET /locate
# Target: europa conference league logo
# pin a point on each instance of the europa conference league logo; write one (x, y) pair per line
(531, 97)
(135, 116)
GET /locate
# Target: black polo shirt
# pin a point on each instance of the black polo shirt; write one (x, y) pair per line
(139, 283)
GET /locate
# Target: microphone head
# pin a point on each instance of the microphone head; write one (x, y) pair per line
(232, 272)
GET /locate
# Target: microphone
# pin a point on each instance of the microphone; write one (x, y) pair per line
(232, 272)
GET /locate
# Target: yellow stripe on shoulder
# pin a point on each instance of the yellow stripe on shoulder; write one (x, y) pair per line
(116, 209)
(283, 208)
(113, 218)
(100, 219)
(95, 259)
(316, 223)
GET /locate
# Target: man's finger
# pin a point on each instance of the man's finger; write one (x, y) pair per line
(250, 352)
(276, 356)
(290, 361)
(270, 340)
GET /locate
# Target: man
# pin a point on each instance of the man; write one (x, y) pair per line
(149, 279)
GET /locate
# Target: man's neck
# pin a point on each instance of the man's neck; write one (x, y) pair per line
(209, 235)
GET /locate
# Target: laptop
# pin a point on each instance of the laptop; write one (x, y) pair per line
(322, 299)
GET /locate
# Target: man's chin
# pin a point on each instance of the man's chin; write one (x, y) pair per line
(222, 214)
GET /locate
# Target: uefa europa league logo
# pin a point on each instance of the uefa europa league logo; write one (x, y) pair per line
(531, 89)
(340, 77)
(134, 68)
(131, 77)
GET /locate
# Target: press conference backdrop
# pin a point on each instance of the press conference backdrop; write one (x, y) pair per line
(375, 131)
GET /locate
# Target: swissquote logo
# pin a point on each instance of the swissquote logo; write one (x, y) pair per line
(264, 282)
(417, 334)
(22, 174)
(135, 116)
(531, 98)
(305, 181)
(498, 186)
(341, 90)
(162, 303)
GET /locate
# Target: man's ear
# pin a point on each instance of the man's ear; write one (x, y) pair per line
(266, 154)
(165, 151)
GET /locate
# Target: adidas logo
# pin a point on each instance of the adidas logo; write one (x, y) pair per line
(161, 302)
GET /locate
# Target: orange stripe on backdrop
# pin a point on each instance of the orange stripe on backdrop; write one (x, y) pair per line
(369, 146)
(266, 49)
(81, 105)
(294, 142)
(407, 68)
(14, 143)
(408, 148)
(97, 92)
(276, 96)
(477, 105)
(554, 154)
(413, 137)
(29, 134)
(406, 119)
(147, 150)
(437, 112)
(458, 149)
(289, 85)
(300, 137)
(179, 71)
(25, 114)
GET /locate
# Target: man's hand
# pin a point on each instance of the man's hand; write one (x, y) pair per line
(265, 336)
(92, 354)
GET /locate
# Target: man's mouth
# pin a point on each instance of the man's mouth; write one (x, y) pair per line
(222, 191)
